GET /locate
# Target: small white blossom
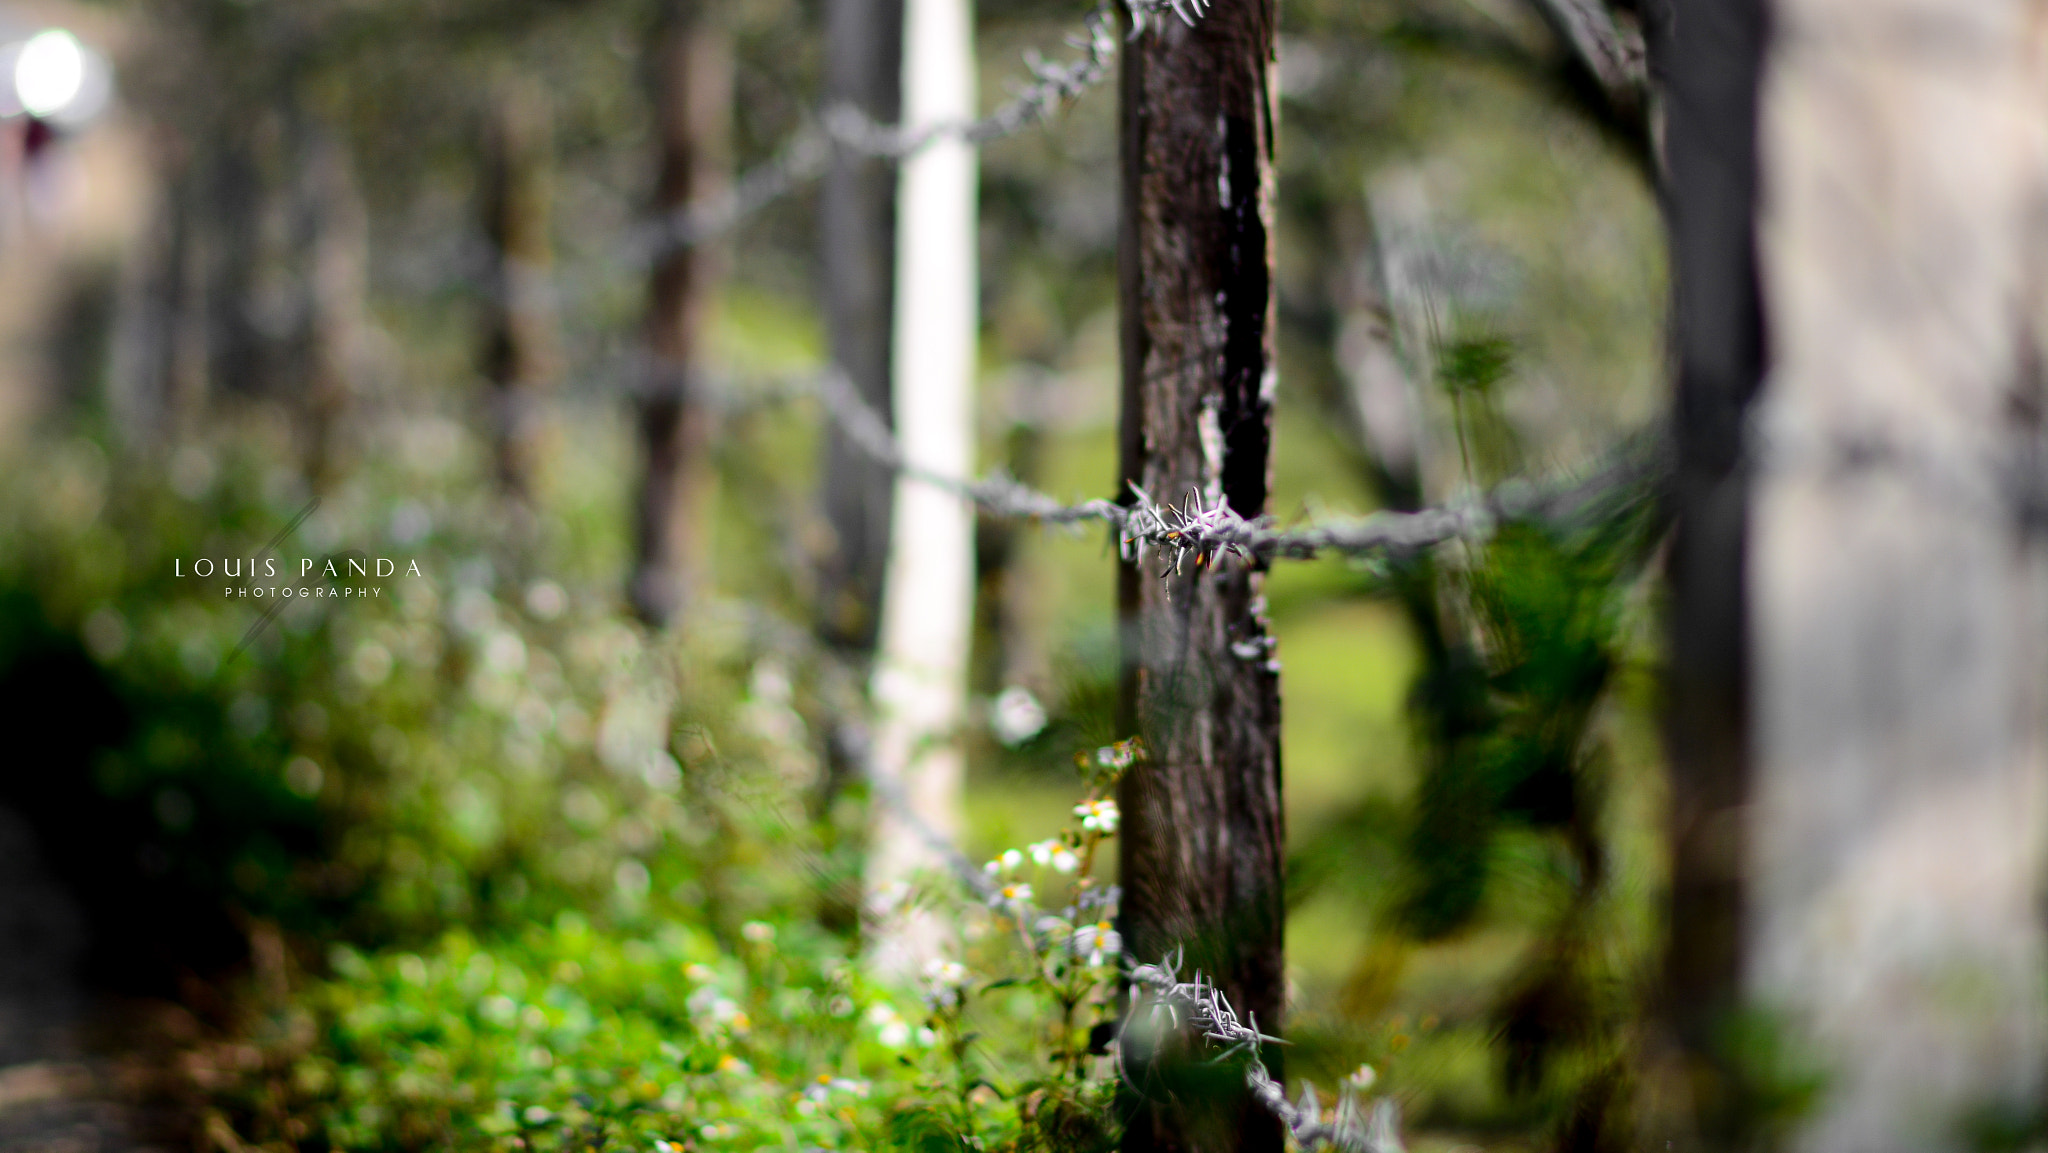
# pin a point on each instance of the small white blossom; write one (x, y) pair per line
(944, 980)
(893, 1031)
(710, 1006)
(1006, 863)
(885, 900)
(1120, 755)
(1055, 855)
(1098, 941)
(1016, 716)
(1100, 816)
(827, 1084)
(1015, 894)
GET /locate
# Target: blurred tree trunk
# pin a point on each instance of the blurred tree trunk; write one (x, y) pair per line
(857, 218)
(857, 214)
(927, 612)
(336, 232)
(692, 84)
(1706, 57)
(254, 286)
(1203, 840)
(521, 354)
(1894, 922)
(157, 380)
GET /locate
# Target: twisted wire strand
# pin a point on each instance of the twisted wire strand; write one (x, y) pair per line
(1213, 533)
(844, 129)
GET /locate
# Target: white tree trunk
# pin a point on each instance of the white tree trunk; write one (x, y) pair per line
(1897, 833)
(920, 680)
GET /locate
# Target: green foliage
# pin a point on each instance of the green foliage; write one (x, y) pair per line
(463, 745)
(566, 1036)
(554, 882)
(1474, 364)
(1762, 1083)
(1506, 719)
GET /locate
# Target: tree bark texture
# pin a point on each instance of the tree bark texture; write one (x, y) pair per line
(1202, 845)
(521, 353)
(1895, 923)
(1707, 57)
(857, 215)
(693, 114)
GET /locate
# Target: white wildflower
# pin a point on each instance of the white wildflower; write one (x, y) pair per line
(1015, 895)
(1016, 716)
(1098, 942)
(1099, 815)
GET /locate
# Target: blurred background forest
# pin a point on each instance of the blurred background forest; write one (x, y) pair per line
(485, 860)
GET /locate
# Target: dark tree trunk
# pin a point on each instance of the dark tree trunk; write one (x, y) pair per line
(521, 348)
(1203, 846)
(1706, 57)
(693, 110)
(857, 213)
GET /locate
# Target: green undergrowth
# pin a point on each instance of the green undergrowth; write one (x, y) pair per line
(542, 879)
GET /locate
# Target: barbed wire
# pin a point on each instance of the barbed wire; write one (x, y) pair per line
(1209, 533)
(844, 129)
(1202, 1009)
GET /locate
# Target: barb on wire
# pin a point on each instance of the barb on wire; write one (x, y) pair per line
(844, 128)
(1141, 11)
(1206, 532)
(1201, 1009)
